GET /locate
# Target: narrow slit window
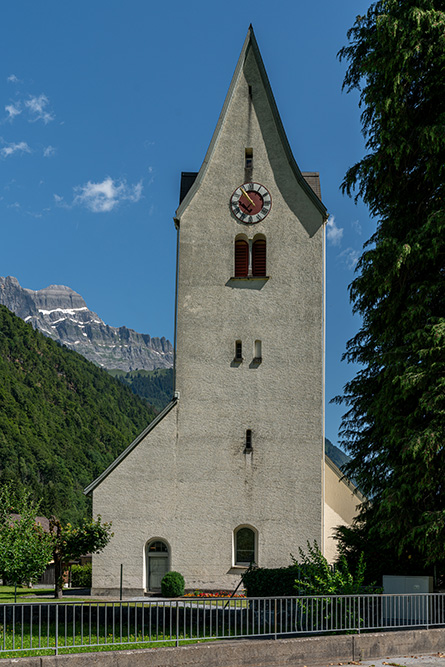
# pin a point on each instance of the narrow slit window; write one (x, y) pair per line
(241, 258)
(249, 158)
(259, 258)
(258, 355)
(238, 350)
(249, 439)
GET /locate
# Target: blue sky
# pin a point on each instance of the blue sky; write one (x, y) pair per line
(104, 103)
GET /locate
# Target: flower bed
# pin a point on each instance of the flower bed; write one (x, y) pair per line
(213, 594)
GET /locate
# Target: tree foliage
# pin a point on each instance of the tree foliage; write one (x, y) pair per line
(70, 542)
(156, 386)
(381, 556)
(395, 425)
(63, 420)
(25, 548)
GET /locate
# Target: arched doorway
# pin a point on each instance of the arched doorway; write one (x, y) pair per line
(157, 564)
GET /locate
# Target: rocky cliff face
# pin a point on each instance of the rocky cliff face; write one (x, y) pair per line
(62, 314)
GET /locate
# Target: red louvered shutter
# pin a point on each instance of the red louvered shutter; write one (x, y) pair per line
(241, 258)
(259, 258)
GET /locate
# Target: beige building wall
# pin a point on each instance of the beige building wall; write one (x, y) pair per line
(341, 501)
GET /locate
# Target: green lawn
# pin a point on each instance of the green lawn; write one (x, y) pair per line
(25, 594)
(86, 639)
(7, 593)
(103, 643)
(38, 629)
(75, 630)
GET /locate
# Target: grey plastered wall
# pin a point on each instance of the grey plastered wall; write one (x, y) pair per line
(278, 489)
(139, 497)
(190, 482)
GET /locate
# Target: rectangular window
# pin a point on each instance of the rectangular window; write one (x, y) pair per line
(249, 158)
(238, 350)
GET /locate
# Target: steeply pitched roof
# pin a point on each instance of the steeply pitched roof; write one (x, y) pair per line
(250, 43)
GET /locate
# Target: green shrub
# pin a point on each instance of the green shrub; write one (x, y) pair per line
(267, 582)
(81, 575)
(317, 577)
(172, 585)
(313, 575)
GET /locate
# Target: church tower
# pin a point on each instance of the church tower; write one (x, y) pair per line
(231, 472)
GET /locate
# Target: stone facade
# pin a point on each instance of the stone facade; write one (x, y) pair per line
(189, 482)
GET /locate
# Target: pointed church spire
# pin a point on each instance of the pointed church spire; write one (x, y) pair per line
(251, 45)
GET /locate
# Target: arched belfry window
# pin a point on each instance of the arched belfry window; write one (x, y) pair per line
(250, 257)
(245, 546)
(241, 258)
(259, 257)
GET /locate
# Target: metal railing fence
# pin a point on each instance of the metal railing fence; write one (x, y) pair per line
(72, 626)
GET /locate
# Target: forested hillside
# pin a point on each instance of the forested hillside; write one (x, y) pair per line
(155, 386)
(62, 419)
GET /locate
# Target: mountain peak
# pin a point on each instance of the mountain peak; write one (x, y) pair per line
(62, 314)
(56, 296)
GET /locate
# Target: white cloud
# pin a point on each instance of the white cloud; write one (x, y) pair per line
(105, 196)
(151, 175)
(49, 151)
(349, 257)
(10, 149)
(13, 110)
(37, 108)
(334, 233)
(356, 226)
(60, 202)
(12, 78)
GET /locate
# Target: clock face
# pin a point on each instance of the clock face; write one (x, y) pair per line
(251, 202)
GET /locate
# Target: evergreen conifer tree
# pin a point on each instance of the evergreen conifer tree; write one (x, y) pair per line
(395, 424)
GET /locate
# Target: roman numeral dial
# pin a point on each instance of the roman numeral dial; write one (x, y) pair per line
(250, 203)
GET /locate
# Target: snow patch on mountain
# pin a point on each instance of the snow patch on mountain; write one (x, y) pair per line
(62, 314)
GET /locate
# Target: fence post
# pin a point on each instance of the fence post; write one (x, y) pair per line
(177, 624)
(275, 619)
(56, 609)
(359, 610)
(121, 578)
